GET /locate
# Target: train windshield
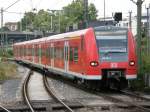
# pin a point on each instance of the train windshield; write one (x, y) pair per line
(112, 46)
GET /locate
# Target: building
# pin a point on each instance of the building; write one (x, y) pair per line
(12, 26)
(125, 23)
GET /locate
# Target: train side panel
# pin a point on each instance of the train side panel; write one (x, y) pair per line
(91, 55)
(132, 69)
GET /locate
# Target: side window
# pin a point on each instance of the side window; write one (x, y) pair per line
(51, 52)
(39, 52)
(71, 54)
(61, 53)
(24, 50)
(43, 51)
(47, 52)
(75, 54)
(55, 52)
(33, 50)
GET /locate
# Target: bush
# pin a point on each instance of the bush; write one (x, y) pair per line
(146, 63)
(7, 54)
(139, 83)
(7, 70)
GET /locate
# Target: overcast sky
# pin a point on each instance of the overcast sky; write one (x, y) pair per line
(26, 5)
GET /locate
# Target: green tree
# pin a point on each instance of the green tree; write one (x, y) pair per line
(69, 15)
(92, 12)
(42, 21)
(27, 21)
(75, 12)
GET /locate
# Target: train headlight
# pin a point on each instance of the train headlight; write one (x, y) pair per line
(132, 63)
(94, 63)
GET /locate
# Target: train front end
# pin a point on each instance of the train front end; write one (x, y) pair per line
(117, 57)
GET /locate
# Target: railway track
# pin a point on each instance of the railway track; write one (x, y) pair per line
(134, 95)
(105, 96)
(111, 98)
(25, 91)
(117, 100)
(51, 92)
(5, 109)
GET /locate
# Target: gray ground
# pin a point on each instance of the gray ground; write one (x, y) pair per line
(10, 88)
(10, 92)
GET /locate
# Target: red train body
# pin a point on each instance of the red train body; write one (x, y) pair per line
(98, 54)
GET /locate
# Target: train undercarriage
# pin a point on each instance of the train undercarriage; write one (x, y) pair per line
(110, 79)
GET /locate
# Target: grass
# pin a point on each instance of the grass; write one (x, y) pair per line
(7, 70)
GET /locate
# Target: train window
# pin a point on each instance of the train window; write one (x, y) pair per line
(51, 52)
(24, 52)
(75, 57)
(19, 51)
(58, 53)
(62, 53)
(71, 54)
(47, 52)
(33, 50)
(55, 52)
(39, 52)
(29, 51)
(43, 51)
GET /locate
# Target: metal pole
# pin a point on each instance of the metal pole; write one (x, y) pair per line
(51, 23)
(86, 13)
(20, 26)
(104, 10)
(139, 10)
(130, 21)
(2, 17)
(147, 31)
(59, 21)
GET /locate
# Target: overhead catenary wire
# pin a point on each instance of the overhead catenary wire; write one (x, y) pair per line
(14, 12)
(11, 5)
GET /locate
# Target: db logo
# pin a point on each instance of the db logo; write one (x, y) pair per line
(114, 65)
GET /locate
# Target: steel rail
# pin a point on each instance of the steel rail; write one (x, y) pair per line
(134, 95)
(52, 93)
(25, 91)
(4, 108)
(108, 97)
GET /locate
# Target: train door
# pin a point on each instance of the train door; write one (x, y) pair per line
(52, 54)
(66, 55)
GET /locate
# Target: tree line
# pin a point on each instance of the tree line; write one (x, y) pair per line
(57, 20)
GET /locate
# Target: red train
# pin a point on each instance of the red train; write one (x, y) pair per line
(100, 56)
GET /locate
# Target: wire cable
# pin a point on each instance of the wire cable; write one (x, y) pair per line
(11, 5)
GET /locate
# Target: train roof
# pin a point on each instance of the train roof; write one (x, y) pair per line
(31, 41)
(54, 37)
(67, 35)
